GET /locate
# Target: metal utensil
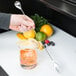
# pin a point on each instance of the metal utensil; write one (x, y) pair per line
(55, 65)
(17, 4)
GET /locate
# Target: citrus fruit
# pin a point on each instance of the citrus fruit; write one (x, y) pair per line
(40, 36)
(29, 34)
(20, 36)
(47, 29)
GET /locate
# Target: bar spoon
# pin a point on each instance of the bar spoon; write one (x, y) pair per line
(17, 4)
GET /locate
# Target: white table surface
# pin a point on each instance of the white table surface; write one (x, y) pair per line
(64, 52)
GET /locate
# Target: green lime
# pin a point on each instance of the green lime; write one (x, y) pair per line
(40, 36)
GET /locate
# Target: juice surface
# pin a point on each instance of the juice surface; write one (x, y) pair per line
(28, 57)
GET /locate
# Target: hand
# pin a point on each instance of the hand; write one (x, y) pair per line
(21, 23)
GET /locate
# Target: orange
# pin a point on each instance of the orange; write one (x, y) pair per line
(20, 36)
(47, 29)
(29, 34)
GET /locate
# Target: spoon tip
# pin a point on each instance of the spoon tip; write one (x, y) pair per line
(17, 4)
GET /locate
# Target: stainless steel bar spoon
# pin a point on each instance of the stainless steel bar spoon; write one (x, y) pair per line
(17, 4)
(55, 65)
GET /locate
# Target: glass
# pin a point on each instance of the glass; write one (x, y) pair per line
(28, 58)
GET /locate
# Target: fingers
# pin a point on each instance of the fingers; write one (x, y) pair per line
(21, 23)
(28, 24)
(20, 28)
(23, 28)
(29, 21)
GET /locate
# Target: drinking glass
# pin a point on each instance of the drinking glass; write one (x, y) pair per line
(28, 58)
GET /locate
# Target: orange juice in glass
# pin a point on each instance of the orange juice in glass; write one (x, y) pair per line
(28, 58)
